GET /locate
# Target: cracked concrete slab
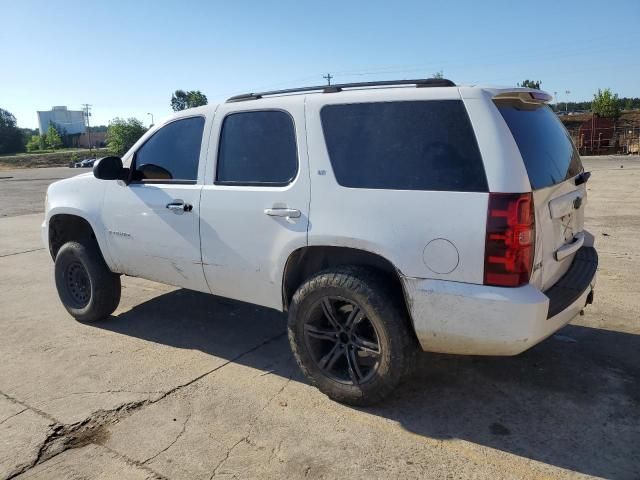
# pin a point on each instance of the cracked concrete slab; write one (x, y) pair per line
(184, 385)
(91, 461)
(215, 429)
(100, 366)
(9, 409)
(197, 427)
(18, 235)
(22, 433)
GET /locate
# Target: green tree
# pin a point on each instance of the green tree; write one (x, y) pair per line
(27, 133)
(34, 143)
(53, 138)
(122, 134)
(98, 128)
(181, 100)
(606, 104)
(11, 140)
(531, 84)
(634, 102)
(439, 74)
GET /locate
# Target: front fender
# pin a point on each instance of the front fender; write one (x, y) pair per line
(80, 196)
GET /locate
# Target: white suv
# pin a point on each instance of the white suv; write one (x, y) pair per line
(383, 217)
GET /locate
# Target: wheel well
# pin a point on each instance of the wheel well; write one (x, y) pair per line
(64, 228)
(307, 261)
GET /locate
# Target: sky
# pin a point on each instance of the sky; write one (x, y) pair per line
(125, 58)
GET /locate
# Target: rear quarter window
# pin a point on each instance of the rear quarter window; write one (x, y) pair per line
(411, 145)
(546, 148)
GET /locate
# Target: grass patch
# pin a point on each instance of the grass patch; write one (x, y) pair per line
(46, 158)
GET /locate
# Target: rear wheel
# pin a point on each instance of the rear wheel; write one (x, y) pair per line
(87, 288)
(350, 336)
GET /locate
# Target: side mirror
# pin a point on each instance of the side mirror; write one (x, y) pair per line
(110, 168)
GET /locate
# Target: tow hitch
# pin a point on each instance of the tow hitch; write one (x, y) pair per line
(589, 298)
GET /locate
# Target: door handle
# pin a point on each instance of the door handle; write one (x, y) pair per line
(283, 212)
(179, 206)
(566, 250)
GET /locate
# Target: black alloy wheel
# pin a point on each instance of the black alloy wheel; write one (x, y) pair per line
(351, 335)
(342, 341)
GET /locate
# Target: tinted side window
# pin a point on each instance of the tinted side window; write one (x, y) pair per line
(416, 145)
(257, 148)
(546, 148)
(172, 153)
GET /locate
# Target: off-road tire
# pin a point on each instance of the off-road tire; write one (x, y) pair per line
(384, 308)
(103, 289)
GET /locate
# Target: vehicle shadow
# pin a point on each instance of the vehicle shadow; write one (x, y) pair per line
(573, 401)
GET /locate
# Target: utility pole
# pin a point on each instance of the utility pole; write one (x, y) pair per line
(152, 124)
(87, 114)
(566, 103)
(328, 78)
(555, 94)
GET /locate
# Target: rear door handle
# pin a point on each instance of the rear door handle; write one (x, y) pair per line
(566, 250)
(283, 212)
(179, 206)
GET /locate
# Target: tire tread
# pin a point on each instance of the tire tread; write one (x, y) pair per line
(373, 286)
(105, 285)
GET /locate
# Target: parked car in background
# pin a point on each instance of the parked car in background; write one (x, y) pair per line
(86, 163)
(383, 217)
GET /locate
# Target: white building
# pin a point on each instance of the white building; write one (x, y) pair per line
(72, 121)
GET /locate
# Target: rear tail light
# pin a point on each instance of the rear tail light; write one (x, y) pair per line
(510, 244)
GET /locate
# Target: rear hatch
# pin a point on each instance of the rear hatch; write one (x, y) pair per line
(557, 182)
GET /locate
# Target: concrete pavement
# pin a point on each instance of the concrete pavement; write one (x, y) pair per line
(22, 190)
(179, 384)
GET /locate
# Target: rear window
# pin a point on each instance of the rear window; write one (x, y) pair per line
(546, 148)
(416, 145)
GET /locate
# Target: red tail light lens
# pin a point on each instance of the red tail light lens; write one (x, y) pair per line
(511, 236)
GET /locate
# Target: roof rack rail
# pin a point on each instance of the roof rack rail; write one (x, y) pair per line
(425, 82)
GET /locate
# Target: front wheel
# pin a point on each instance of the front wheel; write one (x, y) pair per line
(350, 336)
(87, 288)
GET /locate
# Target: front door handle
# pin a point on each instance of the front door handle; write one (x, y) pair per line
(283, 212)
(179, 206)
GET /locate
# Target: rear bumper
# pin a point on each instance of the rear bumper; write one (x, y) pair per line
(573, 283)
(461, 318)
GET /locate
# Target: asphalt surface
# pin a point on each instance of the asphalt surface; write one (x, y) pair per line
(179, 384)
(22, 190)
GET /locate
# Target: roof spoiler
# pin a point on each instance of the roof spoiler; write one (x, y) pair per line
(526, 96)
